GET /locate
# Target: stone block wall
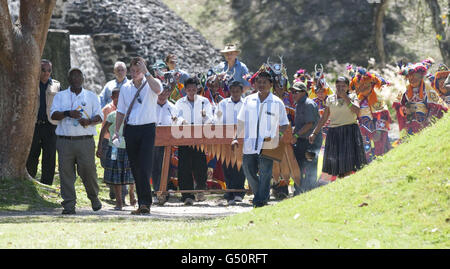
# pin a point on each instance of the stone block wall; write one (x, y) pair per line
(84, 56)
(57, 50)
(104, 31)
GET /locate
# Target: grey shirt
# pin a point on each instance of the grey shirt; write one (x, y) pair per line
(306, 111)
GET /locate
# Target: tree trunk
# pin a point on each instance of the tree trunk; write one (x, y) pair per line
(21, 47)
(442, 32)
(380, 9)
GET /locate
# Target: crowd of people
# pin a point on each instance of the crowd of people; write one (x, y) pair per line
(349, 124)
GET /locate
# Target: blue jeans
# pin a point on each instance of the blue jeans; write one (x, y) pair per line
(260, 184)
(308, 168)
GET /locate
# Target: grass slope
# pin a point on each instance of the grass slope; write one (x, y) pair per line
(399, 201)
(407, 197)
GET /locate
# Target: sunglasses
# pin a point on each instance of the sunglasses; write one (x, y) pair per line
(46, 70)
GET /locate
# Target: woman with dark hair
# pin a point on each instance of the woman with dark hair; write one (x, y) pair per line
(344, 151)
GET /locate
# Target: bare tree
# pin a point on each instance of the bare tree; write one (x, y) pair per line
(21, 47)
(380, 9)
(442, 32)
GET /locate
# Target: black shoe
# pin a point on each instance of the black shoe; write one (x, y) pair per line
(256, 205)
(96, 206)
(68, 211)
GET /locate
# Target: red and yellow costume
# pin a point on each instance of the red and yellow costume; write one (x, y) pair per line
(417, 106)
(321, 105)
(439, 87)
(374, 117)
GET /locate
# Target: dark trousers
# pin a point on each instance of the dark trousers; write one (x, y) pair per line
(158, 156)
(235, 180)
(191, 164)
(139, 141)
(44, 139)
(308, 168)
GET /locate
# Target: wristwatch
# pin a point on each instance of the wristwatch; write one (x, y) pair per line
(147, 74)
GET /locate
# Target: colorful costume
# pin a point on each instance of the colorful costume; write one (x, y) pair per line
(321, 105)
(417, 106)
(438, 84)
(374, 117)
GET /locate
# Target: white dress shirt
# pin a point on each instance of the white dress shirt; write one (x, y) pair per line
(165, 114)
(271, 114)
(86, 102)
(144, 108)
(193, 115)
(229, 111)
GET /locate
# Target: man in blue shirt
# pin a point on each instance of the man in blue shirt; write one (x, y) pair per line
(120, 72)
(230, 53)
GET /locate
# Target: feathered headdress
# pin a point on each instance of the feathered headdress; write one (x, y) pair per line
(302, 76)
(319, 82)
(409, 69)
(277, 71)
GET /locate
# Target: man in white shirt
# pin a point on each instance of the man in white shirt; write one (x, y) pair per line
(78, 111)
(167, 115)
(192, 109)
(263, 119)
(120, 72)
(227, 112)
(137, 110)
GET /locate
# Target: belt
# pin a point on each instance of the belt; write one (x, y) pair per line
(38, 122)
(76, 137)
(142, 125)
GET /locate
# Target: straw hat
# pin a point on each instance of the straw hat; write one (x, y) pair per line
(230, 48)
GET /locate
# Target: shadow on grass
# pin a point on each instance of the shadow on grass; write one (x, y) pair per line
(23, 195)
(154, 217)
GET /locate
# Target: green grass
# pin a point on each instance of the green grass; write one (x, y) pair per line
(407, 197)
(406, 194)
(24, 195)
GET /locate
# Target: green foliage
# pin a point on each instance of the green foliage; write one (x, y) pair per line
(311, 32)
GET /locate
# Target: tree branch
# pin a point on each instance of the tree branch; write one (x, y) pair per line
(444, 40)
(379, 22)
(35, 18)
(6, 34)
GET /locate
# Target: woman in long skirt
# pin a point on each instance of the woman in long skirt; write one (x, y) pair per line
(344, 150)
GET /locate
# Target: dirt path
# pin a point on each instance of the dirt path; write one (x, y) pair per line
(173, 209)
(214, 207)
